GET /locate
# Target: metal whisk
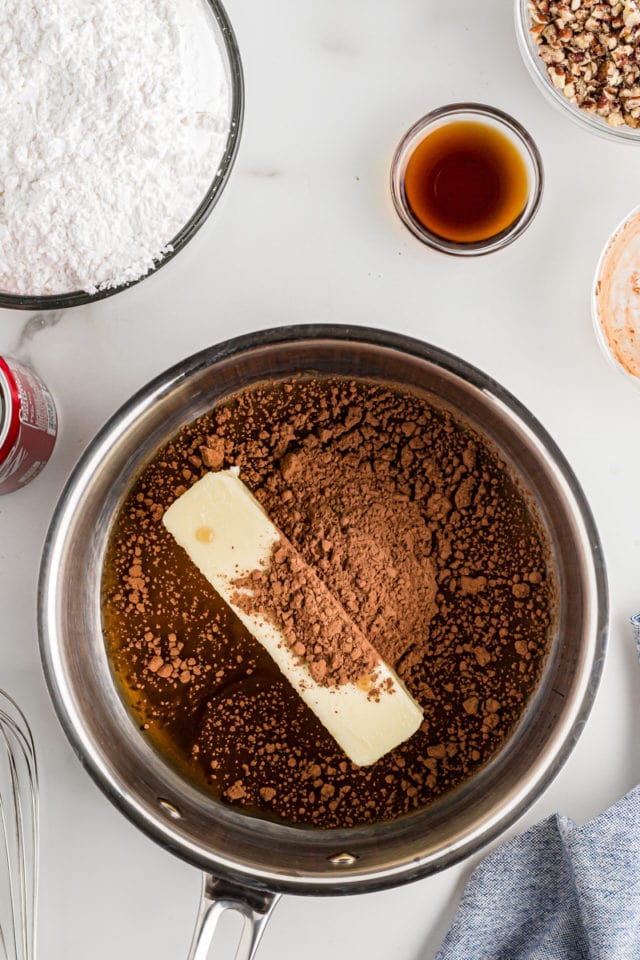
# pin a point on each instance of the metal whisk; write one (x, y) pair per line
(18, 835)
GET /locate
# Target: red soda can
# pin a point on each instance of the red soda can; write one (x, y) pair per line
(28, 425)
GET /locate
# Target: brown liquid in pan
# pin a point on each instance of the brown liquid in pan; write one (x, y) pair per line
(412, 521)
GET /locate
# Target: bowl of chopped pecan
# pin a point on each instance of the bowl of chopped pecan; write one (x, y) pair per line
(585, 57)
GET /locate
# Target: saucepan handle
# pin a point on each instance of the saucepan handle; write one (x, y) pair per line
(255, 907)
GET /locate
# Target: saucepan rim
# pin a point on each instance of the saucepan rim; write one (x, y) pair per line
(161, 829)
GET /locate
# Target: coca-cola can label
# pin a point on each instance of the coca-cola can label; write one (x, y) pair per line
(28, 425)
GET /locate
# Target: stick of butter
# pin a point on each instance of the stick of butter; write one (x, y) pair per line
(228, 535)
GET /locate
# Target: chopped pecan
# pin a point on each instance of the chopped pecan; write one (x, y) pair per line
(591, 49)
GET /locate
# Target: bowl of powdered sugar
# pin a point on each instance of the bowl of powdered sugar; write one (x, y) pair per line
(120, 124)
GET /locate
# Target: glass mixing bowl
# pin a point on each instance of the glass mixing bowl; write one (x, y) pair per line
(538, 70)
(226, 41)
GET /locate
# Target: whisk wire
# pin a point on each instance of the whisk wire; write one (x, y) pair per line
(19, 816)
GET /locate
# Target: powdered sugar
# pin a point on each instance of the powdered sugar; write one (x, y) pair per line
(114, 117)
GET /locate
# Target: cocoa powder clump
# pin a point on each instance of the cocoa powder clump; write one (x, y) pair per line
(290, 594)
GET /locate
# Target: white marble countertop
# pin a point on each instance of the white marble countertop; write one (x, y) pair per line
(306, 232)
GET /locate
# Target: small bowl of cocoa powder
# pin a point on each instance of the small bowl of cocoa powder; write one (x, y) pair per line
(585, 58)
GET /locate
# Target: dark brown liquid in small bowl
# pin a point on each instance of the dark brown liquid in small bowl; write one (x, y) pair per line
(466, 182)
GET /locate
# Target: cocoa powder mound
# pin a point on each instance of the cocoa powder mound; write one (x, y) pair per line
(412, 522)
(364, 533)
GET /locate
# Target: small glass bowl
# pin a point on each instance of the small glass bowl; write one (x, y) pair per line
(225, 38)
(601, 335)
(489, 116)
(538, 70)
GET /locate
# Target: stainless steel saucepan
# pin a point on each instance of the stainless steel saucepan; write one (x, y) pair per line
(247, 861)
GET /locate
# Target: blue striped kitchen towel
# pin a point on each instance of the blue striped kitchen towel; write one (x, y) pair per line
(557, 892)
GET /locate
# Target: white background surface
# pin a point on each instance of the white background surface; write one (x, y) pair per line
(306, 232)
